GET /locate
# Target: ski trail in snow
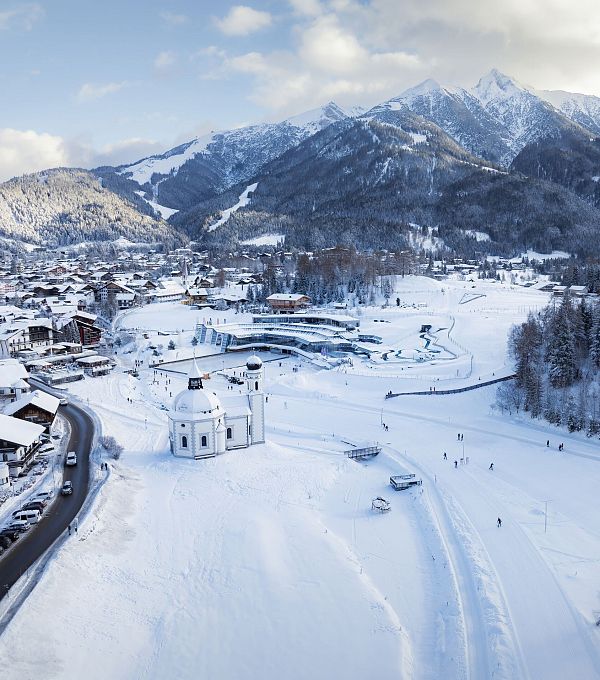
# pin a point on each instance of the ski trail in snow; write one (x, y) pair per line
(478, 663)
(244, 199)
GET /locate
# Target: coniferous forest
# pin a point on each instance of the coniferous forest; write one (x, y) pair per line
(557, 364)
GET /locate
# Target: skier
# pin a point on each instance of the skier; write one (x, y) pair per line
(445, 456)
(491, 466)
(548, 443)
(455, 464)
(499, 522)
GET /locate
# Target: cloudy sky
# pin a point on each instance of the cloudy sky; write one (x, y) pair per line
(87, 82)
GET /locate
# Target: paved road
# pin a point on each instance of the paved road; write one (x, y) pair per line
(61, 512)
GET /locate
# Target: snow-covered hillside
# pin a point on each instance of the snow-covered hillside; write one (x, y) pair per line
(222, 159)
(582, 108)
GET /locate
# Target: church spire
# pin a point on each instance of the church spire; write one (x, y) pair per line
(194, 377)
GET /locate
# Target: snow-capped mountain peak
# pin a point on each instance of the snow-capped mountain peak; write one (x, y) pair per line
(496, 86)
(581, 108)
(318, 119)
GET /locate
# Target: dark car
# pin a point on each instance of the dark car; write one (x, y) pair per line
(5, 542)
(11, 535)
(34, 505)
(67, 488)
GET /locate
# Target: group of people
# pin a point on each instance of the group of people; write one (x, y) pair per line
(561, 446)
(385, 427)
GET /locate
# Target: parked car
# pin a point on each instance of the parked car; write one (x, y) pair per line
(5, 541)
(34, 505)
(67, 488)
(11, 535)
(71, 458)
(45, 495)
(19, 525)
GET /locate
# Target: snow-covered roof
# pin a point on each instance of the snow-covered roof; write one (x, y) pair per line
(17, 431)
(11, 371)
(294, 297)
(93, 361)
(43, 400)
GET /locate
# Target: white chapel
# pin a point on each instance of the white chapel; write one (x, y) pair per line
(200, 426)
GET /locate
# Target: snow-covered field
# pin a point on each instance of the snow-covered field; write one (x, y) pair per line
(268, 562)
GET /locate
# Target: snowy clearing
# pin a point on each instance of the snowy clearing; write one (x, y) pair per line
(265, 240)
(274, 551)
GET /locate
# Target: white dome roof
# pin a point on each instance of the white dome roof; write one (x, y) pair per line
(197, 403)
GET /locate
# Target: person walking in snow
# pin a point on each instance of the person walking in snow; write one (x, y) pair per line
(548, 443)
(445, 456)
(455, 463)
(491, 466)
(499, 522)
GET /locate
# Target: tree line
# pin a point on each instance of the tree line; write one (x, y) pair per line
(556, 353)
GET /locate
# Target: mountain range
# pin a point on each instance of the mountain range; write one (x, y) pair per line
(517, 164)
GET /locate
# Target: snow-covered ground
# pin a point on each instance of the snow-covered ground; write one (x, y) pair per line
(265, 240)
(269, 562)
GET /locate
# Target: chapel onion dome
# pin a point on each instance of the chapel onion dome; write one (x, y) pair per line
(253, 363)
(197, 402)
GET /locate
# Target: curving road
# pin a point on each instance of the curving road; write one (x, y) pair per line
(61, 512)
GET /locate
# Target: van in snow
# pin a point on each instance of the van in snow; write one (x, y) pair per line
(31, 516)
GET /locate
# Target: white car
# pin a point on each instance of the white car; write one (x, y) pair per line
(19, 525)
(71, 458)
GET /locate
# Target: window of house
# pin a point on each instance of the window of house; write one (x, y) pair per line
(203, 440)
(184, 442)
(229, 433)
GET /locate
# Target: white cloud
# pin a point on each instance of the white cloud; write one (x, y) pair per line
(23, 151)
(123, 152)
(92, 91)
(26, 151)
(165, 62)
(306, 7)
(21, 16)
(329, 62)
(243, 20)
(173, 19)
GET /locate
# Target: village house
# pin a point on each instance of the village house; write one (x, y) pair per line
(80, 327)
(288, 301)
(36, 407)
(19, 441)
(95, 365)
(13, 380)
(24, 334)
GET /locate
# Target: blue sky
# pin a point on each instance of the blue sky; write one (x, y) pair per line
(85, 82)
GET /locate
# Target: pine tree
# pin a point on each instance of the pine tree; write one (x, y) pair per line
(595, 337)
(560, 350)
